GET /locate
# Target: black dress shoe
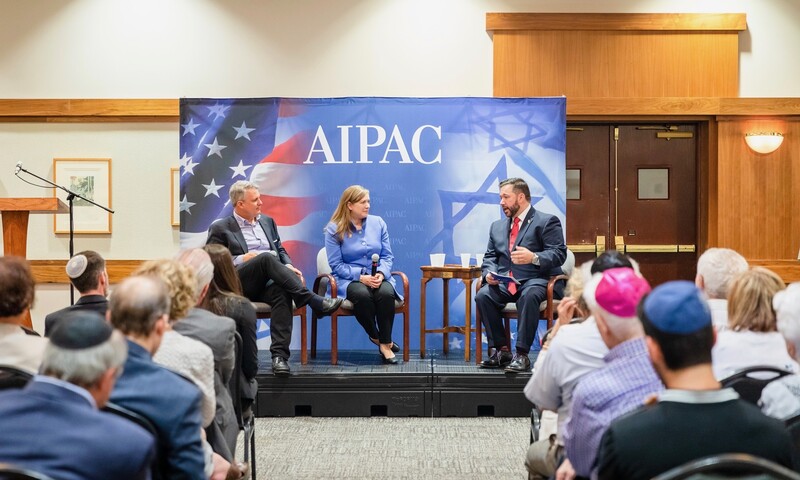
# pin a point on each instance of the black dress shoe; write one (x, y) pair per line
(329, 305)
(395, 347)
(389, 361)
(499, 359)
(280, 367)
(520, 364)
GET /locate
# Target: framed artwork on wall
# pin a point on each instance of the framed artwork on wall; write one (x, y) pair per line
(174, 192)
(91, 178)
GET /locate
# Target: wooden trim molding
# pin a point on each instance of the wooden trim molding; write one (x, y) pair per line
(706, 22)
(100, 110)
(53, 271)
(654, 106)
(166, 110)
(789, 270)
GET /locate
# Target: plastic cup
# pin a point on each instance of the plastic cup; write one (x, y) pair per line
(465, 260)
(479, 259)
(437, 259)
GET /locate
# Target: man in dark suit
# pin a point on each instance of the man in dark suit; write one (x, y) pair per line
(53, 425)
(264, 267)
(529, 246)
(139, 308)
(87, 273)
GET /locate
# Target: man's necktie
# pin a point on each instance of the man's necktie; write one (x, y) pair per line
(512, 240)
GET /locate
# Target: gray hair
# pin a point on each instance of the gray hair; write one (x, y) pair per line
(86, 366)
(236, 192)
(719, 267)
(200, 262)
(621, 327)
(137, 303)
(787, 311)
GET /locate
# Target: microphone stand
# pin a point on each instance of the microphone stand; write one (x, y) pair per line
(70, 199)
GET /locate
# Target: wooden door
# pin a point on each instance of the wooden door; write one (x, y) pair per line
(637, 189)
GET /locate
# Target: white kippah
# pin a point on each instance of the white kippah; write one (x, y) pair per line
(76, 266)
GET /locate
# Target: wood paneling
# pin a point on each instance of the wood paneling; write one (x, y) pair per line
(758, 195)
(52, 271)
(679, 106)
(585, 63)
(617, 21)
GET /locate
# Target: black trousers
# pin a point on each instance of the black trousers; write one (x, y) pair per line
(490, 299)
(265, 279)
(374, 309)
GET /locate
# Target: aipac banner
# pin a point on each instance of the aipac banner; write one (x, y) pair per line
(432, 166)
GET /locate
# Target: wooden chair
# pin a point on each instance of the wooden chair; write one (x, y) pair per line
(546, 309)
(749, 382)
(325, 282)
(264, 312)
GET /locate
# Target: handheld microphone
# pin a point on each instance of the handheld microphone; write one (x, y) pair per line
(18, 168)
(375, 258)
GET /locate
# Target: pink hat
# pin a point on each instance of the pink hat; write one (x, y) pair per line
(619, 290)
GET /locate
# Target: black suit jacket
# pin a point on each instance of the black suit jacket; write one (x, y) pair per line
(540, 233)
(226, 231)
(94, 303)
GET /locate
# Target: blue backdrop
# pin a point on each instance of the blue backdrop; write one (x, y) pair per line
(432, 166)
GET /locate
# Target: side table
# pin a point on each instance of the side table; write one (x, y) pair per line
(466, 275)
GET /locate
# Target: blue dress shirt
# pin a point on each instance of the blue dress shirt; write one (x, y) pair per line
(352, 257)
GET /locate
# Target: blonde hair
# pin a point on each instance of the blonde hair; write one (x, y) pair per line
(750, 300)
(179, 280)
(341, 216)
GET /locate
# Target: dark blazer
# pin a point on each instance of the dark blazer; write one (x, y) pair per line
(172, 404)
(94, 303)
(226, 231)
(540, 233)
(57, 432)
(219, 334)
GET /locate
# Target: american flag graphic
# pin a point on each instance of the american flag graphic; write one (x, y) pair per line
(223, 141)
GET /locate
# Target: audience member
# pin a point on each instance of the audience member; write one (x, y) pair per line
(626, 379)
(87, 273)
(781, 398)
(219, 333)
(187, 356)
(139, 308)
(716, 270)
(53, 425)
(752, 338)
(225, 298)
(693, 418)
(572, 352)
(17, 349)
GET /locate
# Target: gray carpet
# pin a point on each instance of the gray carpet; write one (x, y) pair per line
(391, 448)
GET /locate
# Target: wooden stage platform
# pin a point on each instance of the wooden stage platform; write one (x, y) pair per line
(360, 386)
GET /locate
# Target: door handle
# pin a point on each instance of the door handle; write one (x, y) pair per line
(659, 248)
(598, 247)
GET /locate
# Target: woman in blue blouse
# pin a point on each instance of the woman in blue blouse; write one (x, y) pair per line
(351, 238)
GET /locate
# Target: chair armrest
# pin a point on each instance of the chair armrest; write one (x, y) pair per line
(551, 285)
(322, 282)
(404, 279)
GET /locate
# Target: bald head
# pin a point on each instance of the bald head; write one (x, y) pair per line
(137, 304)
(200, 262)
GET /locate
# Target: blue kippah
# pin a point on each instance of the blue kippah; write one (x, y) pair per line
(677, 307)
(81, 329)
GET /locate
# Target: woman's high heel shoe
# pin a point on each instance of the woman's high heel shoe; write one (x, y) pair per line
(395, 347)
(388, 361)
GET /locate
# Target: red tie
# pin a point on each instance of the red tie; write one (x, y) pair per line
(512, 239)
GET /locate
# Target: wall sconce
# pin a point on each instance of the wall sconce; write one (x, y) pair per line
(763, 142)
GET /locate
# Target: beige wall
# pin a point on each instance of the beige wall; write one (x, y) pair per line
(309, 48)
